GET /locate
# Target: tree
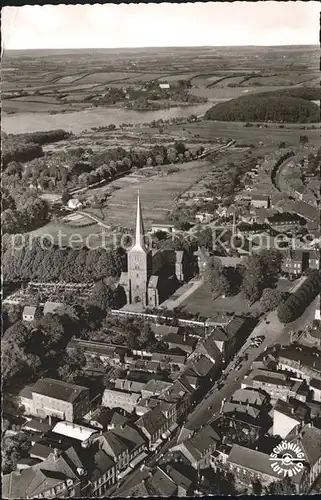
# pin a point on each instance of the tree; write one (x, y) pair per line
(14, 448)
(102, 296)
(72, 366)
(216, 277)
(253, 279)
(271, 298)
(65, 197)
(283, 487)
(304, 139)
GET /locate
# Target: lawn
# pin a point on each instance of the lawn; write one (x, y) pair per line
(201, 302)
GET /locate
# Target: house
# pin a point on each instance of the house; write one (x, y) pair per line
(207, 347)
(315, 386)
(50, 397)
(285, 219)
(61, 475)
(287, 415)
(122, 444)
(183, 342)
(199, 448)
(154, 388)
(74, 204)
(258, 201)
(198, 371)
(164, 86)
(250, 465)
(226, 337)
(164, 227)
(301, 361)
(113, 398)
(295, 262)
(182, 478)
(153, 424)
(29, 313)
(277, 384)
(249, 396)
(108, 353)
(180, 393)
(103, 475)
(74, 431)
(108, 418)
(308, 438)
(203, 217)
(167, 358)
(122, 384)
(314, 259)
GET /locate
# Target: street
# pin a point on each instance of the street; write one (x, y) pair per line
(274, 332)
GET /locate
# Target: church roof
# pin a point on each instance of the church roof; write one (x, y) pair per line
(139, 232)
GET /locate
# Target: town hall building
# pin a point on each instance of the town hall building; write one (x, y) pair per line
(152, 275)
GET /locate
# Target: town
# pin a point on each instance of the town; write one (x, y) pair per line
(161, 329)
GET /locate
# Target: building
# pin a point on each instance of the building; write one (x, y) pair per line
(113, 398)
(301, 361)
(178, 341)
(51, 307)
(103, 475)
(287, 415)
(314, 259)
(146, 282)
(281, 220)
(153, 424)
(74, 431)
(50, 397)
(315, 386)
(203, 217)
(203, 256)
(258, 201)
(60, 475)
(308, 438)
(164, 227)
(295, 262)
(74, 203)
(164, 86)
(122, 444)
(199, 448)
(277, 385)
(250, 465)
(29, 313)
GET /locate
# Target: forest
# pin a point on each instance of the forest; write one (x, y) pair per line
(266, 107)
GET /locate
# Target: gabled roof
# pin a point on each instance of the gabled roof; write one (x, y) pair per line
(249, 396)
(152, 421)
(51, 307)
(251, 459)
(29, 310)
(309, 439)
(157, 386)
(103, 463)
(163, 483)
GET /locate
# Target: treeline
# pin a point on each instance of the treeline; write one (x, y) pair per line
(308, 93)
(36, 262)
(31, 215)
(88, 167)
(26, 147)
(278, 163)
(296, 304)
(265, 107)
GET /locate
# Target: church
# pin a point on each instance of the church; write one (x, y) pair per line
(152, 274)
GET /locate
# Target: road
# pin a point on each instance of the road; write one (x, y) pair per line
(274, 332)
(131, 479)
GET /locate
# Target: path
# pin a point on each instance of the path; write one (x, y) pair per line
(95, 218)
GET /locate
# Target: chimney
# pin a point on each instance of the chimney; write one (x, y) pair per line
(56, 454)
(49, 420)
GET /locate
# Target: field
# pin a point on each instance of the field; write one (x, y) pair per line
(158, 194)
(222, 73)
(201, 302)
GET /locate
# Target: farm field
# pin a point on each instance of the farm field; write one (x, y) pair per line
(157, 194)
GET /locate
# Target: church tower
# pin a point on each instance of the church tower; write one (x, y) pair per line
(139, 263)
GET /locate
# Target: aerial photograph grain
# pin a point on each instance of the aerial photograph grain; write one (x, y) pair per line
(161, 277)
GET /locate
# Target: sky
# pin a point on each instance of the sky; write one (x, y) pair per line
(160, 25)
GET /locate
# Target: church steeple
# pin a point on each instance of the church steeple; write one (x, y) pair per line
(139, 235)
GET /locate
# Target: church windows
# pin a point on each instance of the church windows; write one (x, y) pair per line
(137, 267)
(137, 275)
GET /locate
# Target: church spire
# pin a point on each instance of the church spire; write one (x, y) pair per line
(139, 237)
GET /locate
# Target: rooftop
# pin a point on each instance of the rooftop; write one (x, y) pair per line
(305, 356)
(58, 390)
(74, 431)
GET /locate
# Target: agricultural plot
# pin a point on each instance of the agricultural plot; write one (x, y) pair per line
(158, 194)
(108, 77)
(70, 78)
(15, 106)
